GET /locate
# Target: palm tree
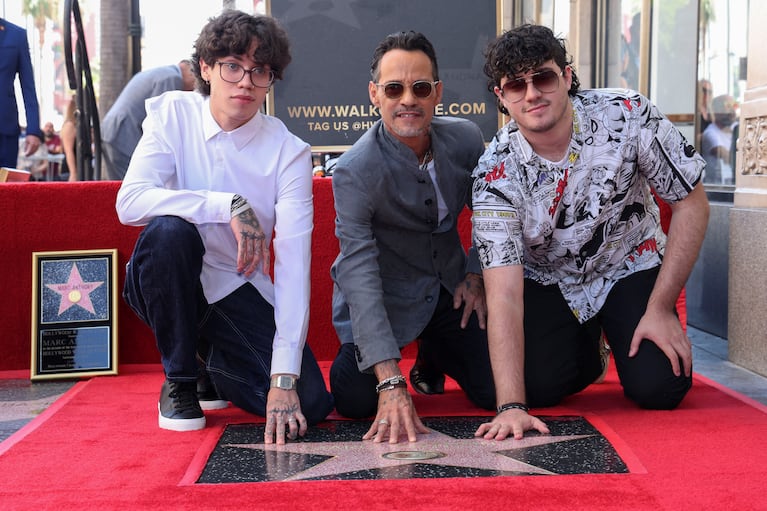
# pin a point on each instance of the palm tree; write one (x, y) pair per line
(114, 57)
(41, 11)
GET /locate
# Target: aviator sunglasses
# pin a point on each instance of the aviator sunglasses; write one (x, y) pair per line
(545, 81)
(421, 89)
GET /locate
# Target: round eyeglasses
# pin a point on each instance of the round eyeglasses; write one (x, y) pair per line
(232, 72)
(545, 81)
(422, 89)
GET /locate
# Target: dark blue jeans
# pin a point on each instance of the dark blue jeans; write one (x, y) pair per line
(460, 353)
(233, 337)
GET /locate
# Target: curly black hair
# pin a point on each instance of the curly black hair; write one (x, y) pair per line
(232, 33)
(522, 49)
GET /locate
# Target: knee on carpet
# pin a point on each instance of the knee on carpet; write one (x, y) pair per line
(482, 398)
(544, 398)
(317, 409)
(353, 405)
(659, 396)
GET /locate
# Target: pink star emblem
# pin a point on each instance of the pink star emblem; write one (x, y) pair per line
(75, 291)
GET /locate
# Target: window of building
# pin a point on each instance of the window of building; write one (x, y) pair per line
(722, 50)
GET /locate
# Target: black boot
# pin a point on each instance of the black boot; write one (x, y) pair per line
(426, 379)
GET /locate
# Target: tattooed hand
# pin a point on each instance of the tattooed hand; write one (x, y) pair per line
(396, 415)
(471, 291)
(283, 409)
(251, 243)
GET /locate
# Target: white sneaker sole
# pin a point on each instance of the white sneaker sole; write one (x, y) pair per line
(179, 424)
(213, 404)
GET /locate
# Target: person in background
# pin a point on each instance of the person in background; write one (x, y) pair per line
(121, 127)
(402, 272)
(51, 146)
(51, 139)
(717, 141)
(570, 239)
(216, 183)
(69, 142)
(705, 93)
(16, 60)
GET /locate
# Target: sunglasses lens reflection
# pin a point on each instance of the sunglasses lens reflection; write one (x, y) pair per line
(394, 90)
(545, 81)
(421, 89)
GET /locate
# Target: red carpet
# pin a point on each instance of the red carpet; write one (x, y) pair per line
(99, 448)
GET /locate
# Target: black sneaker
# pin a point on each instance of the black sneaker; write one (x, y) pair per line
(208, 395)
(179, 408)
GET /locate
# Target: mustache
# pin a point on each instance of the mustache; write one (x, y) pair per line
(416, 110)
(537, 104)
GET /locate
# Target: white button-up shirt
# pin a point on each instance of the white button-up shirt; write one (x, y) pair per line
(185, 165)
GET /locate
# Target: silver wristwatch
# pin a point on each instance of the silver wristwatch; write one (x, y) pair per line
(284, 382)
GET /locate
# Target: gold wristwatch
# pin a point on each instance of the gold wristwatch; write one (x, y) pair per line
(283, 381)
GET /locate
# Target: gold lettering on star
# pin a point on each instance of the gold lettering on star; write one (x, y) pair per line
(75, 292)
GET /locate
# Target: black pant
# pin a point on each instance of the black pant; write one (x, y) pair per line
(562, 355)
(446, 347)
(234, 336)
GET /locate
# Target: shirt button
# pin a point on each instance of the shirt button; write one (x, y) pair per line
(429, 299)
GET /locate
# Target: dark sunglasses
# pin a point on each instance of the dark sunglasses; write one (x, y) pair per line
(545, 81)
(421, 89)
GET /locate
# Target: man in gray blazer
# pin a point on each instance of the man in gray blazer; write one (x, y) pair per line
(402, 273)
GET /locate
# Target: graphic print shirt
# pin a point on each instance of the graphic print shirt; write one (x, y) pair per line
(587, 221)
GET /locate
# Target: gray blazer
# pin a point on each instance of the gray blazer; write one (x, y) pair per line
(393, 256)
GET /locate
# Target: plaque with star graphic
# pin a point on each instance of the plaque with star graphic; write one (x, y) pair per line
(74, 314)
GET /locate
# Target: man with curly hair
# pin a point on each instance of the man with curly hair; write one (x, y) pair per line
(215, 182)
(570, 239)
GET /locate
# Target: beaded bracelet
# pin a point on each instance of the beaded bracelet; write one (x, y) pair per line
(512, 406)
(390, 383)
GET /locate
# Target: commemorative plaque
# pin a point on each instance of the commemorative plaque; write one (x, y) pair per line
(74, 314)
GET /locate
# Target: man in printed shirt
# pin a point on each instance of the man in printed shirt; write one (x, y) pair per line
(570, 239)
(213, 179)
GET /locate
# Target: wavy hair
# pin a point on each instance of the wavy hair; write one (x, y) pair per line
(522, 49)
(232, 33)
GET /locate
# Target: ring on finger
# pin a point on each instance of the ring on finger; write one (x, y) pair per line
(383, 422)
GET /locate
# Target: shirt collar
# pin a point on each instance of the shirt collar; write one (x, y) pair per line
(240, 136)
